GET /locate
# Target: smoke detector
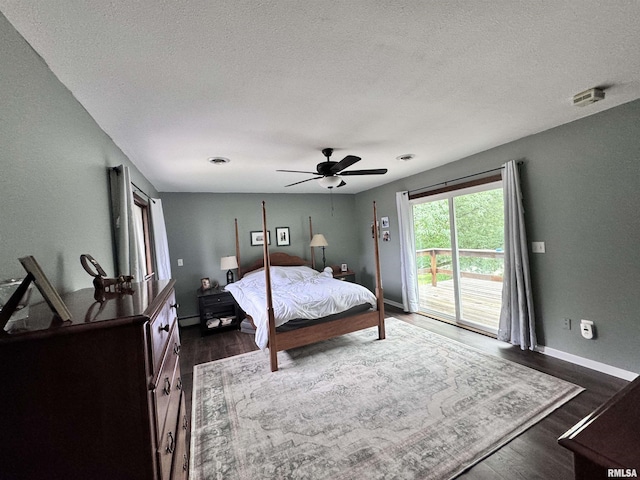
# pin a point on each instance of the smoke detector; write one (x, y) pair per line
(588, 96)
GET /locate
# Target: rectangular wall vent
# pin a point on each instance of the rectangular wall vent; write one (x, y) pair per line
(588, 96)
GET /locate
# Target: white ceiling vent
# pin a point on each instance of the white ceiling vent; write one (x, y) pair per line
(588, 96)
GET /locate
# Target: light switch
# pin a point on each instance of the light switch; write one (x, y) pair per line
(180, 262)
(537, 247)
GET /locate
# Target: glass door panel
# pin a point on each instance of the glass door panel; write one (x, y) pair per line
(480, 239)
(432, 229)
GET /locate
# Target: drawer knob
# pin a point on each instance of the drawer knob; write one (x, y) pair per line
(185, 422)
(164, 327)
(167, 386)
(174, 305)
(176, 348)
(171, 443)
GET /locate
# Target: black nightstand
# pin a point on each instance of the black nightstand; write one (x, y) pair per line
(218, 311)
(347, 276)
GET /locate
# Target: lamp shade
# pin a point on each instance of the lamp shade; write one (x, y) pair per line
(318, 240)
(330, 181)
(227, 263)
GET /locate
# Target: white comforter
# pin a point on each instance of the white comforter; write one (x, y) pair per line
(297, 292)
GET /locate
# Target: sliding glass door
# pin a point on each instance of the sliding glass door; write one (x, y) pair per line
(459, 237)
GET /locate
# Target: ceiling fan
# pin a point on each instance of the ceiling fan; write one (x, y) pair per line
(329, 173)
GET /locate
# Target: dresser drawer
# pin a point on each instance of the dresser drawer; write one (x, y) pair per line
(180, 468)
(219, 299)
(159, 331)
(169, 383)
(168, 445)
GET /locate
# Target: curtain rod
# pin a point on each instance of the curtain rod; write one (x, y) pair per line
(143, 192)
(520, 162)
(115, 169)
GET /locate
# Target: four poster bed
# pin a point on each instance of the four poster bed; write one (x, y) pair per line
(291, 304)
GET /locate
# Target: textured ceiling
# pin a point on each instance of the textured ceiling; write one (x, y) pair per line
(268, 84)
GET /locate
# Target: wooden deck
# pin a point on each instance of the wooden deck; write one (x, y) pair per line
(481, 300)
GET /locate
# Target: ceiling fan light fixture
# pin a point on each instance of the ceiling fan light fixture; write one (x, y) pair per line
(330, 181)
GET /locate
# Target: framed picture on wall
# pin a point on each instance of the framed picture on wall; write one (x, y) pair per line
(257, 238)
(282, 236)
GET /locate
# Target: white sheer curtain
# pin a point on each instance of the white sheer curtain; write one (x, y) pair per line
(408, 272)
(517, 319)
(160, 244)
(129, 240)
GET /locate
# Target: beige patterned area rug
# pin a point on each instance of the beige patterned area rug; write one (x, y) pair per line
(413, 406)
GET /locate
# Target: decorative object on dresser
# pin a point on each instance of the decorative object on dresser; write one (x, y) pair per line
(99, 396)
(101, 282)
(218, 310)
(37, 276)
(228, 264)
(16, 316)
(318, 240)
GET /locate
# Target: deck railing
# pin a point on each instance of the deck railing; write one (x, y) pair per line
(463, 252)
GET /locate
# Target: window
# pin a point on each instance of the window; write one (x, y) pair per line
(141, 221)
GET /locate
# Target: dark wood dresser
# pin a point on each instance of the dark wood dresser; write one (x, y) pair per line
(606, 443)
(97, 397)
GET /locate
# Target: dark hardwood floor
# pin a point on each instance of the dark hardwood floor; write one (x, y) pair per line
(533, 455)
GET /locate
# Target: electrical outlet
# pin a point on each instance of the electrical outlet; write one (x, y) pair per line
(537, 247)
(566, 325)
(180, 262)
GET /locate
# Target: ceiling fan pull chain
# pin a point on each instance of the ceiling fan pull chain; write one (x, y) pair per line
(331, 196)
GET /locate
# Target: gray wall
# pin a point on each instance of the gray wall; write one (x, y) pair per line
(580, 185)
(53, 186)
(200, 230)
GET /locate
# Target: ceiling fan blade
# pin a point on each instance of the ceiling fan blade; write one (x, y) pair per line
(377, 171)
(298, 171)
(344, 163)
(302, 181)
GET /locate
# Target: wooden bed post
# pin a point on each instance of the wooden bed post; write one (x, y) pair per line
(238, 251)
(273, 347)
(313, 257)
(379, 289)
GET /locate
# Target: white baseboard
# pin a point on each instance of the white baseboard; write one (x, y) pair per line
(585, 362)
(393, 304)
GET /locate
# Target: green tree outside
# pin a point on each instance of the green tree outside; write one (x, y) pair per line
(479, 225)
